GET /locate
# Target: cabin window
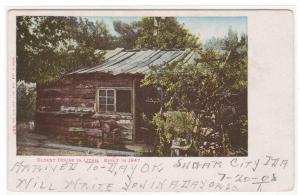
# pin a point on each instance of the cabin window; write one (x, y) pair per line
(107, 100)
(114, 100)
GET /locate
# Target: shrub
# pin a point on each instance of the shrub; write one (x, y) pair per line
(173, 125)
(26, 101)
(203, 140)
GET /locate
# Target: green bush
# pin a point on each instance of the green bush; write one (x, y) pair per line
(173, 125)
(26, 101)
(203, 140)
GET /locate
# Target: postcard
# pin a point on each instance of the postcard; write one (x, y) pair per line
(107, 100)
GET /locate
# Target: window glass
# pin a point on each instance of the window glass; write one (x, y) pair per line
(102, 100)
(106, 100)
(102, 93)
(123, 101)
(102, 108)
(110, 100)
(110, 108)
(110, 93)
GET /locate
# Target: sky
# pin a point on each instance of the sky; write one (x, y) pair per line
(207, 27)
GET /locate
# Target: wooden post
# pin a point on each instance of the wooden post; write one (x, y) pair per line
(97, 101)
(133, 111)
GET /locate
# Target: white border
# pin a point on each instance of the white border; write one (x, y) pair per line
(55, 4)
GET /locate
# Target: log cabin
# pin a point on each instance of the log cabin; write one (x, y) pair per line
(109, 91)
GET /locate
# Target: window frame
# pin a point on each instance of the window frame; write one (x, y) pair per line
(115, 89)
(106, 99)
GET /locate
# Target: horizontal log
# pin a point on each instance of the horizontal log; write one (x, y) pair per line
(79, 123)
(60, 119)
(52, 129)
(61, 130)
(68, 120)
(61, 123)
(85, 115)
(65, 101)
(67, 93)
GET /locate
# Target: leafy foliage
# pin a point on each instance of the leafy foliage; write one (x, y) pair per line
(175, 124)
(164, 33)
(37, 38)
(155, 32)
(26, 98)
(48, 46)
(128, 34)
(212, 89)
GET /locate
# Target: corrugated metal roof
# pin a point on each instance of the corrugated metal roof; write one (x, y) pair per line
(120, 61)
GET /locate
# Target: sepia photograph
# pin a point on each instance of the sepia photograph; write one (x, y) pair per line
(148, 86)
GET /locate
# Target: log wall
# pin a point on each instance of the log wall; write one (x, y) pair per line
(77, 92)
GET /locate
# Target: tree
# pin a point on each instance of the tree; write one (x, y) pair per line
(26, 98)
(128, 34)
(155, 33)
(37, 41)
(209, 89)
(48, 46)
(164, 33)
(89, 40)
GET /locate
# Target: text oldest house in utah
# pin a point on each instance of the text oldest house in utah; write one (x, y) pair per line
(106, 96)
